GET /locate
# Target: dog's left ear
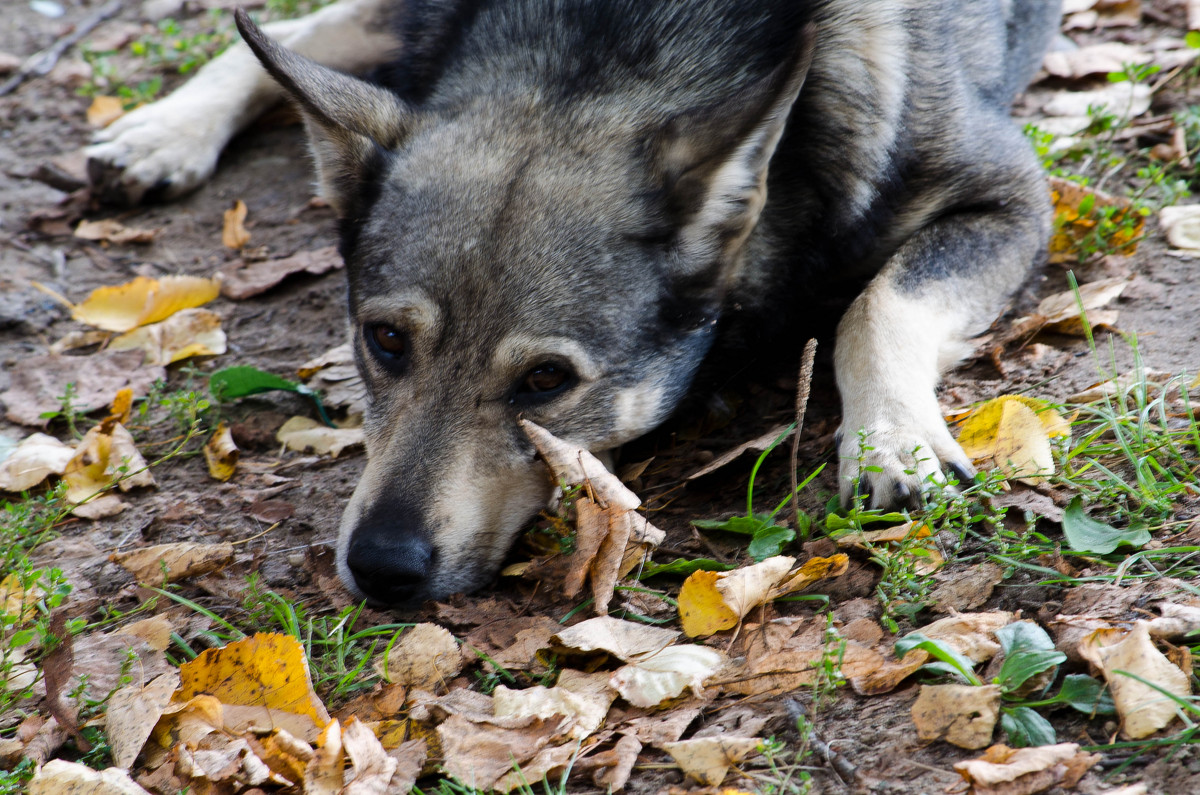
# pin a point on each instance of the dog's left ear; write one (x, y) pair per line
(348, 119)
(713, 160)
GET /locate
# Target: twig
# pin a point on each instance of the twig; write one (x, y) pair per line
(803, 387)
(42, 62)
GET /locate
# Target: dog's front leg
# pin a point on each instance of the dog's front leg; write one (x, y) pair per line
(170, 147)
(914, 320)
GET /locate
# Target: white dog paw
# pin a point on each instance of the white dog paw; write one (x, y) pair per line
(894, 466)
(162, 150)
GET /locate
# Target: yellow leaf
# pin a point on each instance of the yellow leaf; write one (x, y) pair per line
(174, 561)
(1072, 227)
(122, 406)
(221, 454)
(266, 670)
(323, 775)
(708, 759)
(1012, 433)
(104, 111)
(16, 602)
(813, 570)
(143, 300)
(702, 609)
(302, 433)
(233, 232)
(105, 456)
(190, 332)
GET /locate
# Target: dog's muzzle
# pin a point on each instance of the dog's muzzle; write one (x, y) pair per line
(391, 564)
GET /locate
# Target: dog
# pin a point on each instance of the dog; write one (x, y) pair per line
(550, 209)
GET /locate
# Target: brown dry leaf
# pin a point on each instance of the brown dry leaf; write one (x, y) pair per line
(38, 381)
(1024, 771)
(175, 561)
(546, 764)
(660, 676)
(246, 279)
(1182, 226)
(156, 631)
(1085, 14)
(60, 777)
(132, 713)
(335, 375)
(480, 754)
(106, 455)
(33, 460)
(324, 773)
(190, 332)
(105, 110)
(810, 572)
(1176, 621)
(629, 537)
(1143, 709)
(1012, 433)
(221, 454)
(1093, 60)
(790, 669)
(110, 230)
(890, 541)
(625, 640)
(303, 433)
(233, 230)
(963, 715)
(708, 759)
(585, 708)
(123, 307)
(1060, 312)
(1074, 221)
(754, 446)
(372, 766)
(266, 670)
(426, 657)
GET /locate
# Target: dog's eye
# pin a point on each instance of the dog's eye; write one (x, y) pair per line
(386, 341)
(545, 380)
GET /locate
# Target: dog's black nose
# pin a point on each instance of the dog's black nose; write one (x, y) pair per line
(390, 568)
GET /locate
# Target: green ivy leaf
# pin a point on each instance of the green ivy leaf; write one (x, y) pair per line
(1085, 534)
(684, 567)
(941, 651)
(742, 525)
(1023, 636)
(1020, 666)
(233, 383)
(1025, 728)
(1086, 694)
(769, 541)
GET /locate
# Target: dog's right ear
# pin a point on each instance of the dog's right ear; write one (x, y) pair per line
(348, 119)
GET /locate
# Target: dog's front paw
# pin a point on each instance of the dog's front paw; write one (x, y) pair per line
(894, 465)
(162, 150)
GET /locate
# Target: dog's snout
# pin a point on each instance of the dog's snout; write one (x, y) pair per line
(389, 565)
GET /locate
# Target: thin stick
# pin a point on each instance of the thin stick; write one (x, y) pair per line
(42, 62)
(803, 387)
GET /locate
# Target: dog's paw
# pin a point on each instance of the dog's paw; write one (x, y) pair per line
(894, 466)
(161, 150)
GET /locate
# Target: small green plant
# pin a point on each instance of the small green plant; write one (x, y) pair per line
(172, 48)
(68, 412)
(766, 537)
(16, 781)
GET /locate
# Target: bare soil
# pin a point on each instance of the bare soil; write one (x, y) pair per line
(268, 168)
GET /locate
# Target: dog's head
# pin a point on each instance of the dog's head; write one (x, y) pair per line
(510, 257)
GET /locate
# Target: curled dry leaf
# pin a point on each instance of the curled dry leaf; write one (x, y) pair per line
(480, 754)
(335, 375)
(106, 455)
(1012, 433)
(243, 280)
(233, 230)
(426, 657)
(33, 460)
(921, 544)
(1181, 222)
(615, 537)
(172, 562)
(963, 715)
(266, 670)
(304, 433)
(1094, 59)
(60, 777)
(1176, 621)
(585, 710)
(625, 640)
(711, 601)
(132, 713)
(113, 231)
(323, 775)
(189, 332)
(1143, 709)
(371, 765)
(1024, 771)
(665, 674)
(221, 454)
(708, 759)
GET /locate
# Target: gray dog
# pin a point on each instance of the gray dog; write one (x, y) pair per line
(550, 208)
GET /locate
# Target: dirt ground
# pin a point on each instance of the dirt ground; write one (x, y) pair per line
(277, 331)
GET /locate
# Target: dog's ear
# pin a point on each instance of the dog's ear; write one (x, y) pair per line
(348, 119)
(713, 160)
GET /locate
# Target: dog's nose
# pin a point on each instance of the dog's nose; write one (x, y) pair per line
(390, 569)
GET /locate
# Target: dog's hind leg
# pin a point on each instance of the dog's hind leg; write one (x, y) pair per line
(944, 285)
(170, 147)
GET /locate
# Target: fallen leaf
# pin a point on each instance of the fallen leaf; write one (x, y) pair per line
(190, 332)
(792, 668)
(371, 765)
(110, 230)
(1101, 13)
(1077, 210)
(60, 777)
(625, 640)
(33, 460)
(1012, 433)
(132, 713)
(121, 408)
(426, 657)
(302, 433)
(245, 279)
(233, 231)
(663, 675)
(1085, 534)
(175, 561)
(886, 543)
(221, 454)
(104, 110)
(38, 382)
(1181, 222)
(100, 507)
(585, 711)
(1093, 59)
(143, 300)
(1176, 621)
(962, 715)
(324, 773)
(708, 759)
(753, 446)
(1143, 709)
(1024, 771)
(480, 754)
(543, 765)
(106, 455)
